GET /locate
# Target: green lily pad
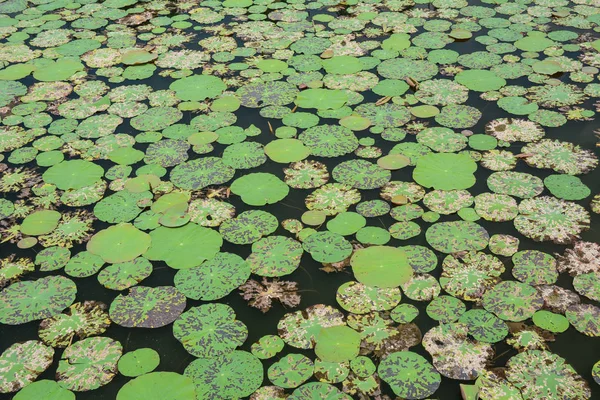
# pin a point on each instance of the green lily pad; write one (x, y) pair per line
(145, 307)
(40, 222)
(183, 247)
(409, 374)
(158, 385)
(209, 330)
(291, 371)
(381, 266)
(28, 301)
(138, 362)
(46, 389)
(89, 364)
(198, 87)
(234, 375)
(258, 189)
(337, 344)
(73, 174)
(445, 171)
(81, 320)
(22, 363)
(213, 279)
(119, 243)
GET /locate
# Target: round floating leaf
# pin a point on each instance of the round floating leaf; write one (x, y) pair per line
(381, 266)
(229, 376)
(327, 247)
(213, 279)
(28, 301)
(267, 346)
(445, 171)
(452, 237)
(44, 389)
(209, 330)
(146, 307)
(81, 320)
(291, 371)
(183, 247)
(40, 222)
(567, 187)
(337, 344)
(119, 243)
(260, 188)
(202, 172)
(89, 364)
(540, 374)
(275, 256)
(409, 375)
(22, 363)
(484, 326)
(322, 99)
(513, 301)
(286, 150)
(198, 87)
(480, 80)
(124, 275)
(73, 174)
(138, 362)
(158, 386)
(550, 321)
(300, 329)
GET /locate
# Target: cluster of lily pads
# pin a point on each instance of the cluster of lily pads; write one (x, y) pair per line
(410, 144)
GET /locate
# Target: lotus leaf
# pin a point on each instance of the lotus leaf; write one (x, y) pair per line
(22, 363)
(183, 247)
(318, 390)
(28, 301)
(267, 346)
(73, 174)
(275, 256)
(89, 364)
(539, 374)
(199, 173)
(46, 389)
(301, 328)
(291, 371)
(198, 87)
(248, 227)
(213, 279)
(138, 362)
(119, 243)
(409, 374)
(361, 174)
(484, 326)
(454, 354)
(452, 237)
(145, 307)
(322, 99)
(329, 140)
(40, 222)
(210, 330)
(286, 150)
(327, 247)
(337, 344)
(234, 375)
(513, 301)
(158, 386)
(81, 320)
(258, 189)
(381, 266)
(445, 171)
